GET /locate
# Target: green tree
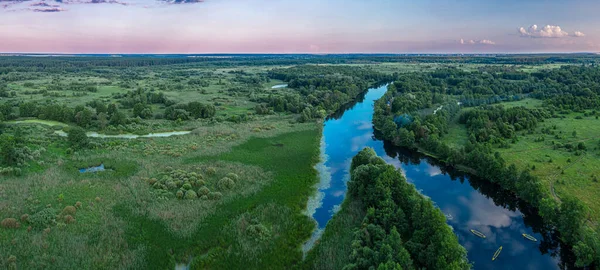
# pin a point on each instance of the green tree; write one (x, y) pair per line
(77, 137)
(8, 150)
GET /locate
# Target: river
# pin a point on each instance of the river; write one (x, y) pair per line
(468, 202)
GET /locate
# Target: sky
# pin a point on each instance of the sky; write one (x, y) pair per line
(292, 26)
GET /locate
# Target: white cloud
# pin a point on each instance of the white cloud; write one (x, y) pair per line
(548, 31)
(471, 42)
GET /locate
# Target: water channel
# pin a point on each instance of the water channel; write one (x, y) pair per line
(467, 202)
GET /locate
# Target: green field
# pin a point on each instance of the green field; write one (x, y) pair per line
(563, 172)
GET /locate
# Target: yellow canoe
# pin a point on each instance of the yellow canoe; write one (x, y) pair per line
(529, 237)
(478, 233)
(497, 253)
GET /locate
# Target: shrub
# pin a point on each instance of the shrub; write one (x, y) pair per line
(171, 185)
(215, 195)
(24, 218)
(187, 186)
(151, 181)
(204, 197)
(43, 218)
(69, 210)
(179, 194)
(203, 191)
(69, 219)
(78, 205)
(258, 232)
(211, 170)
(10, 223)
(233, 176)
(190, 195)
(199, 183)
(98, 199)
(77, 137)
(12, 262)
(226, 183)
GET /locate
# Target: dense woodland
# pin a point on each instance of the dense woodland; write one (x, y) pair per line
(402, 229)
(401, 117)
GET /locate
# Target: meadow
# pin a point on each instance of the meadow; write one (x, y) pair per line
(563, 171)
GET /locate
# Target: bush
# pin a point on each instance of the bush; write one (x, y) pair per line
(233, 176)
(187, 186)
(203, 191)
(24, 218)
(211, 170)
(226, 183)
(171, 185)
(215, 195)
(78, 205)
(10, 223)
(43, 218)
(199, 183)
(258, 232)
(77, 137)
(204, 197)
(69, 219)
(190, 195)
(69, 210)
(179, 194)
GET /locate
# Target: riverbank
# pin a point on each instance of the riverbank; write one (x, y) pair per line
(569, 217)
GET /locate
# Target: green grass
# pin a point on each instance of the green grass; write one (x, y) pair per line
(290, 158)
(529, 103)
(334, 248)
(574, 178)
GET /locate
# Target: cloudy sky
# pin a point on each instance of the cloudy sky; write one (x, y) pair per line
(292, 26)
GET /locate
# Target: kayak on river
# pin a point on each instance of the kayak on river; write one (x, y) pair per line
(529, 237)
(478, 233)
(497, 253)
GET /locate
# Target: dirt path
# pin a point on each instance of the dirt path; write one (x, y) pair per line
(554, 177)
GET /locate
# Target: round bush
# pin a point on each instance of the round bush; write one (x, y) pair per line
(10, 223)
(203, 191)
(171, 185)
(199, 183)
(69, 210)
(226, 183)
(24, 218)
(152, 181)
(179, 194)
(190, 195)
(187, 186)
(215, 195)
(233, 176)
(204, 197)
(78, 205)
(69, 219)
(43, 218)
(258, 232)
(211, 171)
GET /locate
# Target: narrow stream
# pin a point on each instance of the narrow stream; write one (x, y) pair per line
(467, 202)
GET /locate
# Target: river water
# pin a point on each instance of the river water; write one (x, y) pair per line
(468, 202)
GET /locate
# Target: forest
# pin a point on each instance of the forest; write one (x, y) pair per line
(402, 229)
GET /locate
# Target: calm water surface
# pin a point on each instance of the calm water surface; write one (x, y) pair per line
(468, 202)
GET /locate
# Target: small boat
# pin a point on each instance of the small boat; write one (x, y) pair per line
(529, 237)
(478, 233)
(497, 253)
